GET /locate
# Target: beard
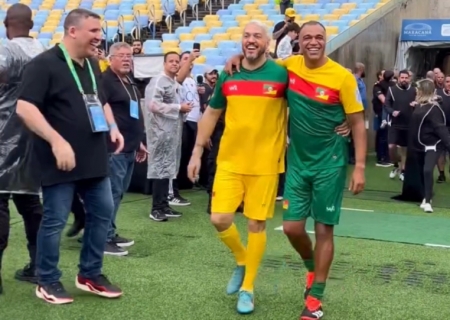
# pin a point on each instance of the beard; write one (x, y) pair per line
(261, 52)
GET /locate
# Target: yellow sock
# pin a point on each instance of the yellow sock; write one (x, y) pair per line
(232, 240)
(255, 251)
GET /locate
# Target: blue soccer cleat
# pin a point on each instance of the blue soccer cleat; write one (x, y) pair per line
(245, 304)
(236, 280)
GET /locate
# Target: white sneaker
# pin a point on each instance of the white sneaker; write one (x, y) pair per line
(422, 205)
(427, 208)
(401, 176)
(393, 173)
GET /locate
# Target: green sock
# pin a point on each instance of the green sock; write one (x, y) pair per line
(317, 290)
(309, 264)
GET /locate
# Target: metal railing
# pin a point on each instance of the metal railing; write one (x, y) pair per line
(137, 28)
(152, 22)
(168, 13)
(122, 27)
(345, 36)
(182, 11)
(105, 32)
(208, 5)
(195, 10)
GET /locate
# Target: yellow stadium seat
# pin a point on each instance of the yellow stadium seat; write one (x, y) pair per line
(128, 17)
(45, 6)
(243, 23)
(301, 22)
(258, 2)
(331, 30)
(254, 12)
(174, 49)
(58, 36)
(142, 12)
(186, 36)
(155, 15)
(53, 21)
(309, 17)
(211, 17)
(55, 12)
(340, 12)
(250, 6)
(308, 1)
(330, 17)
(221, 36)
(385, 1)
(298, 17)
(48, 29)
(34, 34)
(181, 5)
(212, 23)
(140, 6)
(94, 6)
(268, 23)
(201, 59)
(113, 1)
(197, 30)
(236, 37)
(242, 18)
(260, 17)
(53, 42)
(154, 6)
(207, 44)
(112, 23)
(353, 22)
(169, 44)
(363, 16)
(26, 2)
(349, 5)
(235, 30)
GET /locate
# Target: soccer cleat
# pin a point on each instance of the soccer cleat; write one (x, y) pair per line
(28, 274)
(245, 304)
(236, 280)
(308, 284)
(53, 293)
(99, 286)
(401, 176)
(313, 309)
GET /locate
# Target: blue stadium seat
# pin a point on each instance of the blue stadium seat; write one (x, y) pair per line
(59, 29)
(153, 50)
(277, 18)
(271, 12)
(111, 32)
(265, 7)
(211, 52)
(226, 44)
(128, 26)
(320, 11)
(152, 43)
(86, 5)
(227, 18)
(112, 14)
(169, 37)
(238, 12)
(219, 68)
(46, 35)
(169, 8)
(229, 52)
(222, 12)
(98, 11)
(181, 30)
(235, 6)
(197, 23)
(230, 24)
(112, 6)
(186, 45)
(215, 60)
(198, 69)
(349, 17)
(338, 23)
(358, 12)
(331, 6)
(202, 36)
(143, 20)
(366, 6)
(215, 30)
(344, 1)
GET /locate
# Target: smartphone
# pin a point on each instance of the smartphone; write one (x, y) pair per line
(196, 46)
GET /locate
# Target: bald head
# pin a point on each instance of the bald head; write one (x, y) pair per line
(18, 21)
(430, 75)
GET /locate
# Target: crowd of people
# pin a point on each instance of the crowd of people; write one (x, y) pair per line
(182, 125)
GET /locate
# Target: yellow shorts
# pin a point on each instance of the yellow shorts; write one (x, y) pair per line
(257, 192)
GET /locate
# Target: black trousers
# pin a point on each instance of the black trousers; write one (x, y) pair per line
(187, 145)
(160, 192)
(427, 162)
(30, 208)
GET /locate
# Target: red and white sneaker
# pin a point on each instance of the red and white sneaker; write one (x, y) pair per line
(99, 286)
(53, 293)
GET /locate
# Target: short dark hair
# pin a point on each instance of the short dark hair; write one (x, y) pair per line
(293, 27)
(183, 53)
(137, 40)
(76, 15)
(168, 54)
(312, 23)
(403, 72)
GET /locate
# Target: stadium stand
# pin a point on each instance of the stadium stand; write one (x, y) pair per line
(218, 33)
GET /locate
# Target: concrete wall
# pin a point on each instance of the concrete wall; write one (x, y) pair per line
(376, 46)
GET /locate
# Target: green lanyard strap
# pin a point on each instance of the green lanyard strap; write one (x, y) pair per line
(74, 73)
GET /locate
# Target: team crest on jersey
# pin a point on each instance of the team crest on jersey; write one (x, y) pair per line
(321, 94)
(269, 90)
(285, 204)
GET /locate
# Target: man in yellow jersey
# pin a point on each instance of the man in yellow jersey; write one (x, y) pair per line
(251, 155)
(321, 94)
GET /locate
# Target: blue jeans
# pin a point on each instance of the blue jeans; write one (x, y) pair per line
(57, 201)
(121, 170)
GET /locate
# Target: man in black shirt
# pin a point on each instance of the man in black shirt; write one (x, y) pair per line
(398, 105)
(444, 93)
(209, 81)
(280, 29)
(59, 102)
(381, 145)
(122, 95)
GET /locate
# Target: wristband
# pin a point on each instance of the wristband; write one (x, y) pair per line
(112, 126)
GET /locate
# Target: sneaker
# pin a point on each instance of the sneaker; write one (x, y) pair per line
(112, 249)
(158, 215)
(122, 242)
(178, 201)
(441, 179)
(99, 286)
(401, 176)
(313, 309)
(308, 284)
(53, 293)
(394, 173)
(427, 208)
(383, 164)
(28, 274)
(245, 304)
(422, 205)
(75, 229)
(170, 213)
(236, 280)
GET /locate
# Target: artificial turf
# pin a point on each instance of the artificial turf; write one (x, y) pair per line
(178, 270)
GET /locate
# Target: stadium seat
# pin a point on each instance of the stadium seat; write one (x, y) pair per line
(226, 44)
(211, 51)
(353, 22)
(216, 30)
(202, 36)
(332, 30)
(174, 49)
(207, 44)
(186, 36)
(169, 43)
(198, 30)
(212, 23)
(221, 37)
(235, 30)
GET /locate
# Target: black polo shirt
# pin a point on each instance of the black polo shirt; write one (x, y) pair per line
(49, 85)
(117, 97)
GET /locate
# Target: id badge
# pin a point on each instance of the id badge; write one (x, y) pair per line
(95, 113)
(134, 109)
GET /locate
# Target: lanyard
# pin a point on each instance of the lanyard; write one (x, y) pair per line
(74, 73)
(134, 90)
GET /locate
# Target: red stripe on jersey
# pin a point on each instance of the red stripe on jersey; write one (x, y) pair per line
(312, 90)
(250, 88)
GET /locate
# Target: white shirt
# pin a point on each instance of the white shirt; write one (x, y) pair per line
(284, 48)
(190, 95)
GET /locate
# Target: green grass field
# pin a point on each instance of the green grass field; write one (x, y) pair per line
(178, 270)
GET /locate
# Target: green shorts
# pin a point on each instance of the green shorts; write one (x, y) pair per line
(314, 193)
